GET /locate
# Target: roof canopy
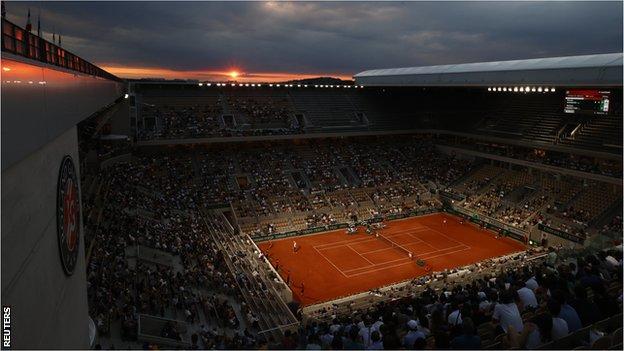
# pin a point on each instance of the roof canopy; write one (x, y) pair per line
(585, 70)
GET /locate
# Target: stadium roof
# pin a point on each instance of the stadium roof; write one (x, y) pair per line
(585, 70)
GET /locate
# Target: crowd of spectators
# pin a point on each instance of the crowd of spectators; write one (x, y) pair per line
(181, 120)
(214, 116)
(310, 180)
(525, 305)
(524, 199)
(602, 166)
(323, 182)
(614, 226)
(148, 203)
(261, 111)
(155, 199)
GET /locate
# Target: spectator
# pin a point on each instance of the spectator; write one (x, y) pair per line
(412, 335)
(467, 340)
(506, 313)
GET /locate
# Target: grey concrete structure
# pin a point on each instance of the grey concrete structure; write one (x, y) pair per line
(39, 102)
(586, 70)
(41, 106)
(49, 308)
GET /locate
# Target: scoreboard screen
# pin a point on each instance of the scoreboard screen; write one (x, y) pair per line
(593, 102)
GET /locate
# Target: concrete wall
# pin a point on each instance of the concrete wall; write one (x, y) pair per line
(49, 308)
(40, 102)
(41, 105)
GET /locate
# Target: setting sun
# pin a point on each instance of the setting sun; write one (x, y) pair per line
(234, 74)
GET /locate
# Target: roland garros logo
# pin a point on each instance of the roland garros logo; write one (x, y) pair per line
(68, 215)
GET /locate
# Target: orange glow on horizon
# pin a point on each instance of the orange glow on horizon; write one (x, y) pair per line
(251, 77)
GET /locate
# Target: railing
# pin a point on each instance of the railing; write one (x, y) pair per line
(18, 41)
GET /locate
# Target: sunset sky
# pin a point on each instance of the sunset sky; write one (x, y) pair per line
(276, 41)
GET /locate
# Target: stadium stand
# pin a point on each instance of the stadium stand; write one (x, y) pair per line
(171, 231)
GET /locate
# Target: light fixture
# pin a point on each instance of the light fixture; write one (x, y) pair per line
(126, 96)
(527, 89)
(201, 84)
(515, 89)
(489, 89)
(552, 90)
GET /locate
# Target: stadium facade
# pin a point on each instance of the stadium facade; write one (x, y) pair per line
(46, 92)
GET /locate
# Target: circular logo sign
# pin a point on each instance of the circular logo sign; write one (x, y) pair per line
(68, 215)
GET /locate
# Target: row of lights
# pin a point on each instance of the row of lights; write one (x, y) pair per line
(278, 85)
(43, 82)
(523, 89)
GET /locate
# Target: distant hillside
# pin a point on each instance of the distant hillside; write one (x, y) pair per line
(321, 80)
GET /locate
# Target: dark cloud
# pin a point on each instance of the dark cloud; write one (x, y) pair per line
(322, 37)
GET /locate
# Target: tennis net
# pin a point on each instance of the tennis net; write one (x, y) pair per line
(407, 252)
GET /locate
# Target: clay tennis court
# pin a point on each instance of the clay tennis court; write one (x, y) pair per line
(335, 264)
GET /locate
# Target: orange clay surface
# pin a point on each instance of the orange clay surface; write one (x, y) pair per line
(335, 264)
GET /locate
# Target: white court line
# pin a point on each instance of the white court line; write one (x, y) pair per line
(337, 244)
(439, 232)
(404, 258)
(448, 253)
(410, 232)
(392, 247)
(357, 240)
(378, 264)
(401, 264)
(332, 263)
(422, 241)
(367, 260)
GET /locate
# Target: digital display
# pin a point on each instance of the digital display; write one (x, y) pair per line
(593, 102)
